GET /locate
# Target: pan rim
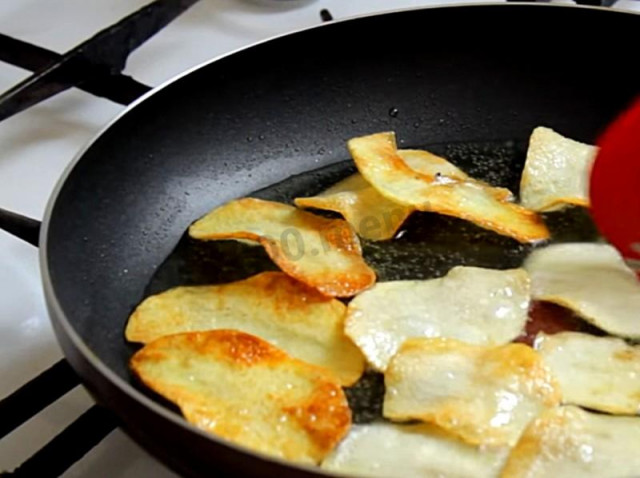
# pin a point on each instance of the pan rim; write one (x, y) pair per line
(60, 315)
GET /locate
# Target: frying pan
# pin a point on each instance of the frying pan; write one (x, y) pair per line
(445, 76)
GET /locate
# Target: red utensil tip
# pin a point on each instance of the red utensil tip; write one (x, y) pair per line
(615, 184)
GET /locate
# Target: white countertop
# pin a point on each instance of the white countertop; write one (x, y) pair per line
(36, 145)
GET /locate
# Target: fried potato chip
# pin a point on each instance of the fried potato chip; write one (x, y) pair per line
(439, 168)
(600, 373)
(378, 161)
(570, 442)
(590, 279)
(484, 395)
(245, 390)
(387, 450)
(472, 304)
(271, 305)
(556, 172)
(430, 164)
(372, 215)
(322, 253)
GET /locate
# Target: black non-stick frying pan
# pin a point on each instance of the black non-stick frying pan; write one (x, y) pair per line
(471, 82)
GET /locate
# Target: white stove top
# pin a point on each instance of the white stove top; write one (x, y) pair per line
(36, 145)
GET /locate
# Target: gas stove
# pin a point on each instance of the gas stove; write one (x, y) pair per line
(39, 142)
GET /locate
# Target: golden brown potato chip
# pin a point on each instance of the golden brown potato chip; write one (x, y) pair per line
(570, 442)
(372, 215)
(245, 390)
(484, 395)
(436, 167)
(322, 253)
(378, 161)
(430, 164)
(271, 305)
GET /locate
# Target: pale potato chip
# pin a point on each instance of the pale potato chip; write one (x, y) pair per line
(590, 279)
(570, 442)
(372, 215)
(378, 161)
(556, 172)
(322, 253)
(472, 304)
(388, 450)
(271, 305)
(241, 388)
(601, 373)
(484, 395)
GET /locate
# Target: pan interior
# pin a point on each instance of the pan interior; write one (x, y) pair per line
(272, 121)
(427, 246)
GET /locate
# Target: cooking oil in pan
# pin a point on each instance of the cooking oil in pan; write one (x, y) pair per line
(427, 246)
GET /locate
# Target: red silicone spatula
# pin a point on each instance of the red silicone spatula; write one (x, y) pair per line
(615, 185)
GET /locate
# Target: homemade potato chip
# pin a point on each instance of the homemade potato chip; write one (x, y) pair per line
(441, 170)
(323, 253)
(387, 450)
(472, 304)
(484, 395)
(570, 442)
(378, 161)
(590, 279)
(372, 215)
(430, 164)
(556, 172)
(284, 312)
(601, 373)
(245, 390)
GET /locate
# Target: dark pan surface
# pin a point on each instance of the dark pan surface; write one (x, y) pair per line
(469, 82)
(427, 245)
